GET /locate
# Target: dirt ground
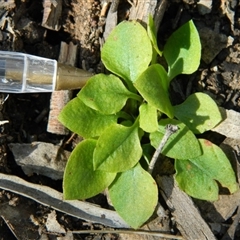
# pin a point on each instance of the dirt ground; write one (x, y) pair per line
(24, 28)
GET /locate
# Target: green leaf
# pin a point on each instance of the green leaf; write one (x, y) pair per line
(198, 176)
(80, 181)
(152, 33)
(148, 118)
(153, 86)
(134, 195)
(127, 51)
(199, 112)
(105, 93)
(83, 120)
(181, 145)
(183, 50)
(118, 149)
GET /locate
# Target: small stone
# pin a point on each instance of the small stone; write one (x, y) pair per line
(204, 6)
(214, 68)
(52, 225)
(40, 158)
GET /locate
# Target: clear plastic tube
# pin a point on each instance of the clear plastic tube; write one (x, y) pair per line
(21, 73)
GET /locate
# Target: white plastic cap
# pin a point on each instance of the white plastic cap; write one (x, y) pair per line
(22, 73)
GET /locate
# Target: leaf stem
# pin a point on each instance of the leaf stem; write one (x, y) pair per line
(136, 97)
(130, 86)
(154, 56)
(170, 129)
(124, 115)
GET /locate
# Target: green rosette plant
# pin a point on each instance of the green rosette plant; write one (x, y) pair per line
(115, 112)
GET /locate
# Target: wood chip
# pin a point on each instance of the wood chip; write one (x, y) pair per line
(52, 13)
(226, 7)
(230, 126)
(17, 219)
(7, 4)
(209, 38)
(188, 219)
(68, 55)
(54, 199)
(111, 21)
(230, 234)
(159, 12)
(41, 158)
(142, 10)
(221, 210)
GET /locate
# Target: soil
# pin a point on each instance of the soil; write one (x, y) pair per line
(22, 30)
